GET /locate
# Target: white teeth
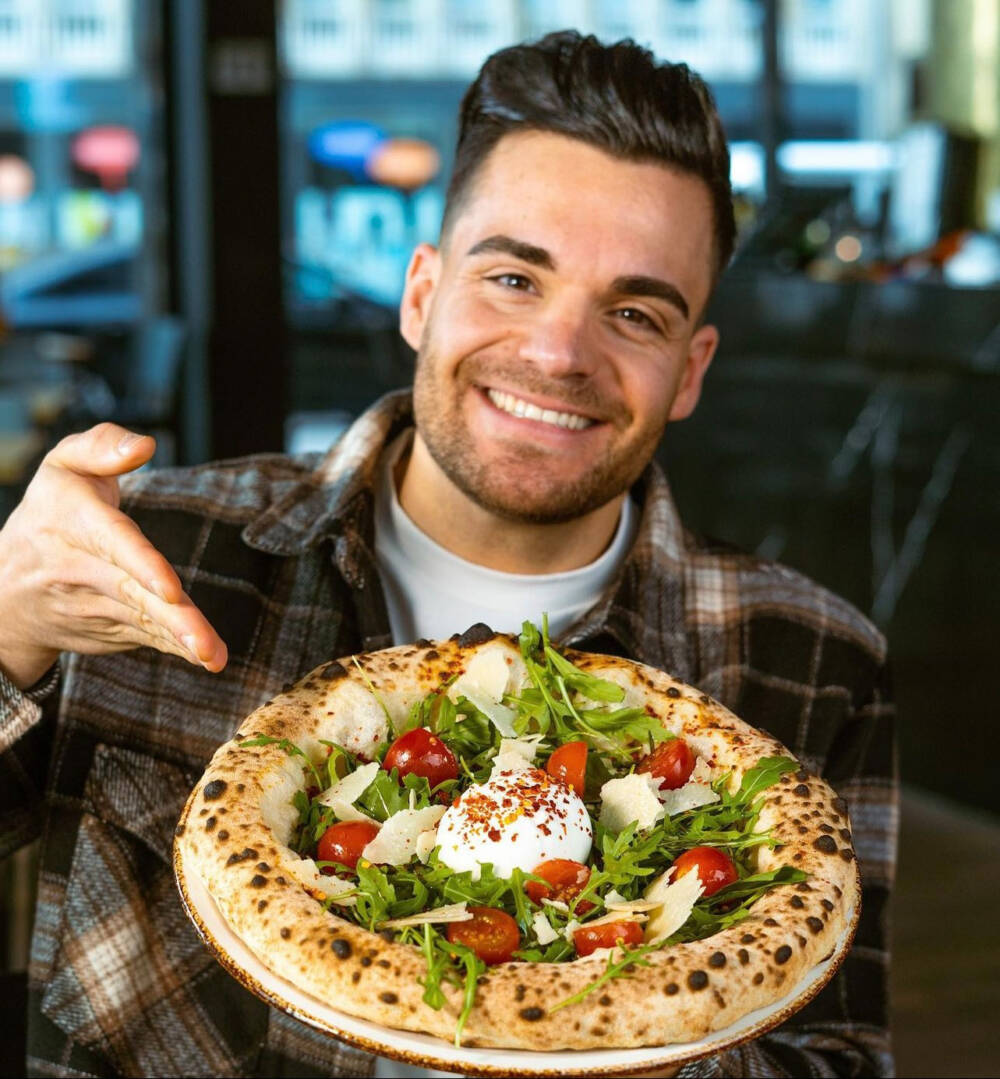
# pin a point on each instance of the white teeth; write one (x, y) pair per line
(507, 402)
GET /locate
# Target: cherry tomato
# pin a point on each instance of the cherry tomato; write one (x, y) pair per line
(566, 879)
(343, 842)
(589, 938)
(671, 762)
(568, 764)
(420, 753)
(492, 934)
(714, 868)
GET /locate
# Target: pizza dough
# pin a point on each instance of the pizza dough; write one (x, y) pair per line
(239, 817)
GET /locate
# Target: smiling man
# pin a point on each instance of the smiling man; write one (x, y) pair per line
(559, 327)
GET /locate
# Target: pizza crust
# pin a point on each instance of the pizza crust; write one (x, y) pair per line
(238, 849)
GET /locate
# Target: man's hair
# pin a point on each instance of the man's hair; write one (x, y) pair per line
(615, 97)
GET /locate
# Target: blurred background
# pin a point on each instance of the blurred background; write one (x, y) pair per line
(206, 211)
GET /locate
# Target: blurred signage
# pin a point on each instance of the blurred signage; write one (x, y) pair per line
(110, 152)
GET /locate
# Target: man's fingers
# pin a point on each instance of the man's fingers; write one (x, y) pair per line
(104, 450)
(116, 539)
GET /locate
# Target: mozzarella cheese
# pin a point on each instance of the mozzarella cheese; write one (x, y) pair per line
(516, 819)
(630, 798)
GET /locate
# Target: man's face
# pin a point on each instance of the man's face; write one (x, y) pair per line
(557, 328)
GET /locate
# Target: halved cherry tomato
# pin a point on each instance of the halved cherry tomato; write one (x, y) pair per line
(714, 868)
(420, 753)
(343, 842)
(568, 764)
(492, 934)
(566, 880)
(671, 762)
(589, 938)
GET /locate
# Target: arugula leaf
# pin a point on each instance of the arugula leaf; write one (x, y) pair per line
(764, 774)
(388, 794)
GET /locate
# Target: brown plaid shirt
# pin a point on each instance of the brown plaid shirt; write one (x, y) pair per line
(278, 553)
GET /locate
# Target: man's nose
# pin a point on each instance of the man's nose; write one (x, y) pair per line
(558, 343)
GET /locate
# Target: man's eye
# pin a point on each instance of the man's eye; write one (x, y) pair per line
(635, 316)
(512, 280)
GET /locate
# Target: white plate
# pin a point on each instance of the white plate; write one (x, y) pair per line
(428, 1052)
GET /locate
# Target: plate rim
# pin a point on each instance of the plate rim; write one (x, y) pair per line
(676, 1055)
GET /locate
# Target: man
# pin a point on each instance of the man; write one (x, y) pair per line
(559, 328)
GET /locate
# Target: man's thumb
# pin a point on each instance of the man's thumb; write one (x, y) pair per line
(104, 450)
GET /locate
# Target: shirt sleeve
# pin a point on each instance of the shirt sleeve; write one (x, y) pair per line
(27, 721)
(844, 1031)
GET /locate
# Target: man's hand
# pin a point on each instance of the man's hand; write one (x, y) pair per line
(77, 575)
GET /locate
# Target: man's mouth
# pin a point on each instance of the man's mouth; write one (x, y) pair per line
(515, 406)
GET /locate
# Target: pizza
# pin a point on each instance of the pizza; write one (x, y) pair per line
(509, 846)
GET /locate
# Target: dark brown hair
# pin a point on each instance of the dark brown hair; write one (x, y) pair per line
(615, 97)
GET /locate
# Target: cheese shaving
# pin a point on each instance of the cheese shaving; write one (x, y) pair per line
(630, 798)
(454, 912)
(543, 929)
(307, 872)
(345, 792)
(690, 796)
(484, 683)
(676, 899)
(396, 842)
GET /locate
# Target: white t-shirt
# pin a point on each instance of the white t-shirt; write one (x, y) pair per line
(433, 593)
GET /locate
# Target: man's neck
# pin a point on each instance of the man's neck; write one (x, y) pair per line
(435, 504)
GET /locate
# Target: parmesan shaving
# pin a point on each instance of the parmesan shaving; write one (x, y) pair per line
(630, 798)
(690, 796)
(543, 930)
(345, 792)
(396, 842)
(342, 892)
(484, 683)
(454, 912)
(702, 771)
(426, 842)
(676, 900)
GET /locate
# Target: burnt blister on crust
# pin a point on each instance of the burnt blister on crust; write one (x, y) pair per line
(478, 633)
(216, 788)
(336, 669)
(825, 843)
(532, 1014)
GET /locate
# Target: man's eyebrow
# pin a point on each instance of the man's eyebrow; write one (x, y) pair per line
(640, 285)
(507, 245)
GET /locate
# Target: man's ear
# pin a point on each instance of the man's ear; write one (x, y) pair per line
(418, 293)
(700, 353)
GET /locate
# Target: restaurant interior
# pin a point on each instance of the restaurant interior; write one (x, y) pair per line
(206, 212)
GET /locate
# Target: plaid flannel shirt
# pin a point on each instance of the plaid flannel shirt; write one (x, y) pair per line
(278, 553)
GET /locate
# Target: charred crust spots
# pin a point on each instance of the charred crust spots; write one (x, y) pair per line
(179, 830)
(758, 978)
(801, 790)
(800, 939)
(783, 954)
(422, 642)
(532, 1014)
(478, 633)
(847, 854)
(802, 775)
(697, 979)
(797, 902)
(333, 670)
(285, 933)
(245, 855)
(837, 891)
(261, 905)
(222, 835)
(215, 789)
(281, 880)
(840, 806)
(826, 829)
(263, 867)
(356, 977)
(826, 904)
(519, 993)
(770, 921)
(433, 654)
(743, 956)
(671, 989)
(388, 998)
(719, 998)
(605, 1001)
(341, 948)
(673, 691)
(257, 881)
(845, 834)
(388, 936)
(825, 843)
(705, 699)
(747, 938)
(240, 788)
(815, 924)
(210, 824)
(802, 886)
(797, 856)
(717, 959)
(366, 960)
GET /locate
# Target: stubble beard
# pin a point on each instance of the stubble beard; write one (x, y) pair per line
(537, 496)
